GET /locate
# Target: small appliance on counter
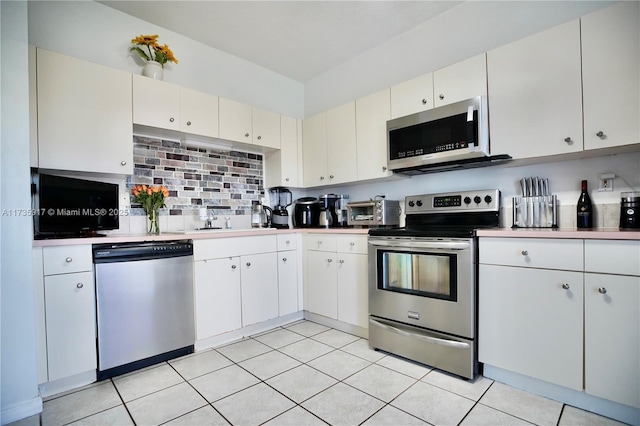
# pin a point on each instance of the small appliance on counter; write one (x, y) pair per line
(537, 207)
(630, 210)
(259, 216)
(281, 198)
(374, 213)
(306, 212)
(333, 210)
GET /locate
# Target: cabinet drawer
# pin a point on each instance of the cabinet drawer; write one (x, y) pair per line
(532, 253)
(228, 247)
(287, 242)
(352, 244)
(66, 259)
(613, 257)
(321, 242)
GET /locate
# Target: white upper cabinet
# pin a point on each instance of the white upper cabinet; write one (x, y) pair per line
(372, 114)
(412, 96)
(266, 128)
(535, 94)
(235, 121)
(156, 103)
(341, 144)
(460, 81)
(198, 113)
(314, 131)
(611, 76)
(84, 115)
(283, 167)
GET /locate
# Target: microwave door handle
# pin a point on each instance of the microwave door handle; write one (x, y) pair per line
(422, 244)
(434, 340)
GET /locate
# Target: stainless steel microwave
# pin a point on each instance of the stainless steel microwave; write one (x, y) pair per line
(450, 135)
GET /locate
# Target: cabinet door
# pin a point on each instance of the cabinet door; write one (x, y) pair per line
(281, 166)
(611, 76)
(460, 81)
(314, 150)
(84, 116)
(266, 128)
(322, 287)
(528, 323)
(287, 283)
(259, 277)
(342, 164)
(353, 302)
(535, 94)
(71, 324)
(156, 103)
(612, 337)
(217, 296)
(372, 114)
(235, 121)
(198, 113)
(412, 96)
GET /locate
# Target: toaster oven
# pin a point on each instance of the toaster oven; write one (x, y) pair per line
(378, 212)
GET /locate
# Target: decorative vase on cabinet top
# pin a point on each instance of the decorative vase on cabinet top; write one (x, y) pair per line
(153, 69)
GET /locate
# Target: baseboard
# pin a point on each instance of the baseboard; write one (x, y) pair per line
(68, 383)
(604, 407)
(338, 325)
(21, 410)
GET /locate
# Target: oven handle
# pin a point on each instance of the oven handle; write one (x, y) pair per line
(434, 340)
(451, 245)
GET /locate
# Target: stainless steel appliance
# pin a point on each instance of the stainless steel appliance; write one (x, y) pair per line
(444, 138)
(376, 212)
(423, 280)
(306, 212)
(630, 210)
(260, 215)
(281, 198)
(144, 304)
(342, 213)
(331, 210)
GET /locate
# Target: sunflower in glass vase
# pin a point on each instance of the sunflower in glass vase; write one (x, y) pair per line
(151, 198)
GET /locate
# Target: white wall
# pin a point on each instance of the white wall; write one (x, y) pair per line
(100, 34)
(19, 384)
(463, 31)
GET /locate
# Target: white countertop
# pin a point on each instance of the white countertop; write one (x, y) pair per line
(594, 234)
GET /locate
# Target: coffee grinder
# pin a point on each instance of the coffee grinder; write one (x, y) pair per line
(281, 198)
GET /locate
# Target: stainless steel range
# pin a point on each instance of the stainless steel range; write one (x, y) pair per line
(423, 280)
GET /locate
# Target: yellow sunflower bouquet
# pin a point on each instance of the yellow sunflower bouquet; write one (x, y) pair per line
(148, 48)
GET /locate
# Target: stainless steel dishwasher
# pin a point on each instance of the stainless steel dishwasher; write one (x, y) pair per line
(144, 298)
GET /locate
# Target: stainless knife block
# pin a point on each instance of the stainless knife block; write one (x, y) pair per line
(535, 212)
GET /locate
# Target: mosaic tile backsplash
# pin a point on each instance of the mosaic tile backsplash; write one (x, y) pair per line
(225, 182)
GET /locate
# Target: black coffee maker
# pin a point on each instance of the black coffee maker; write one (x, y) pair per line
(281, 198)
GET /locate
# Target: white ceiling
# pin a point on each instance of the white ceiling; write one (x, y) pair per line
(298, 39)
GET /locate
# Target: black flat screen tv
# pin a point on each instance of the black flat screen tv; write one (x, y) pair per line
(70, 207)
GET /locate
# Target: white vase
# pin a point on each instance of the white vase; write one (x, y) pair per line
(153, 69)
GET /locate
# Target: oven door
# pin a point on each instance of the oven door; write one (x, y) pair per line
(422, 282)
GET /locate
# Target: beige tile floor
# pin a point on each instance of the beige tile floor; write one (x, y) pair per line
(301, 374)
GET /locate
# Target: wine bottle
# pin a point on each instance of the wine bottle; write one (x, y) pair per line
(584, 218)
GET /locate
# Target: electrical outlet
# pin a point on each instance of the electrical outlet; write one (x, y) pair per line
(606, 182)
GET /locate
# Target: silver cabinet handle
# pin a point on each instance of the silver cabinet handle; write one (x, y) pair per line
(171, 119)
(331, 176)
(600, 134)
(246, 135)
(284, 259)
(188, 123)
(287, 179)
(441, 96)
(424, 102)
(68, 260)
(341, 261)
(233, 266)
(259, 137)
(287, 242)
(568, 140)
(321, 177)
(566, 286)
(352, 244)
(248, 264)
(79, 285)
(123, 163)
(329, 260)
(602, 290)
(524, 253)
(384, 168)
(319, 242)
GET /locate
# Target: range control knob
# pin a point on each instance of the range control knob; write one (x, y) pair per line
(411, 203)
(419, 203)
(487, 199)
(467, 200)
(477, 199)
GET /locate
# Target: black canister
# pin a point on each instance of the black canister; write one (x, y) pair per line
(630, 210)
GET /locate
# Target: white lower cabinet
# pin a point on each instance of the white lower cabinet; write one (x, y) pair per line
(336, 277)
(287, 282)
(259, 283)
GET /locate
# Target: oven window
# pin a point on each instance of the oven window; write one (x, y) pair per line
(423, 274)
